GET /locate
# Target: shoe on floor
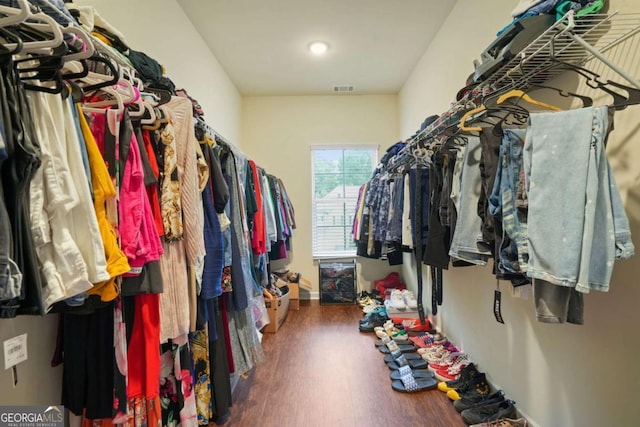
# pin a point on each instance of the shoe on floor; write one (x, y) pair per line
(477, 384)
(505, 422)
(467, 373)
(469, 402)
(490, 412)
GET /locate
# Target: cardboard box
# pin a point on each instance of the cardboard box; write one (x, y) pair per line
(305, 283)
(277, 309)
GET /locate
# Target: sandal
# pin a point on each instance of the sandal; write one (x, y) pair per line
(403, 348)
(409, 384)
(382, 341)
(396, 364)
(417, 373)
(408, 356)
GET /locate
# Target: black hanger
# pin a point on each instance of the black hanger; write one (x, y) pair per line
(11, 38)
(593, 80)
(164, 95)
(110, 66)
(586, 101)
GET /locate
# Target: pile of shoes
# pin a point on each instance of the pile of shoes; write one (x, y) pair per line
(275, 290)
(422, 361)
(369, 301)
(287, 276)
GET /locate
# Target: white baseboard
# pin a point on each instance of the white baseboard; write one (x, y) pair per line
(314, 295)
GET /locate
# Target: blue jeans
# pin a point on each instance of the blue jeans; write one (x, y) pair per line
(468, 232)
(514, 253)
(577, 226)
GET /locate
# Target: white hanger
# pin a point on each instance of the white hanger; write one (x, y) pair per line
(15, 15)
(48, 25)
(89, 49)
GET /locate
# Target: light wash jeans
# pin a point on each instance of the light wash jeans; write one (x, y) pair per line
(577, 226)
(468, 232)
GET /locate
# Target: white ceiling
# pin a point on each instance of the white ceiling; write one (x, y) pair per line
(263, 45)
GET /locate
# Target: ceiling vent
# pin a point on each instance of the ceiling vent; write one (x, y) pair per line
(344, 88)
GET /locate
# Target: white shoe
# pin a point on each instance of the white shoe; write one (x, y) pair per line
(409, 299)
(397, 300)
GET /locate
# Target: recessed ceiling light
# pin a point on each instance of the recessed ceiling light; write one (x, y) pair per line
(318, 48)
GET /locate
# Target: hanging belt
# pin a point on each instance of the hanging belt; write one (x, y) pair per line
(418, 242)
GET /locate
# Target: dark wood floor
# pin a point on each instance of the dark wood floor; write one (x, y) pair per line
(321, 371)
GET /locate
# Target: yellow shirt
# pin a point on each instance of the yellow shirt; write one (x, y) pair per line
(103, 190)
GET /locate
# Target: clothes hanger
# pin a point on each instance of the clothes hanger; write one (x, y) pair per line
(45, 33)
(15, 15)
(586, 101)
(116, 101)
(148, 108)
(521, 95)
(12, 38)
(593, 80)
(87, 49)
(466, 116)
(101, 80)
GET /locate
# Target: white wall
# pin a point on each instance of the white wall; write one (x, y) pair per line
(278, 133)
(161, 29)
(559, 375)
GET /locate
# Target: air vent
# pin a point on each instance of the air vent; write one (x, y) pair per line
(344, 88)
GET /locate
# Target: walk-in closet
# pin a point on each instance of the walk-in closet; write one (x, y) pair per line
(319, 213)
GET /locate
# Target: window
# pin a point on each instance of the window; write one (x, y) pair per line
(338, 173)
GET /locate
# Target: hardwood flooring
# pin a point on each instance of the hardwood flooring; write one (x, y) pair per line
(321, 371)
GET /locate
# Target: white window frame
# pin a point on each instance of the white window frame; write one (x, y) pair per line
(373, 149)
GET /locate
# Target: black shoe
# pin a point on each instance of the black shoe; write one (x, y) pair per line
(490, 412)
(474, 386)
(374, 316)
(372, 323)
(474, 402)
(466, 374)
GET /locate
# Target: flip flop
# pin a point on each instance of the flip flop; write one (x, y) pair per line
(408, 384)
(403, 348)
(378, 343)
(417, 373)
(394, 365)
(408, 356)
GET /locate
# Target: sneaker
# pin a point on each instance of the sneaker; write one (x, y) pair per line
(475, 401)
(467, 373)
(409, 299)
(504, 422)
(441, 360)
(490, 412)
(372, 323)
(438, 359)
(477, 384)
(453, 371)
(397, 300)
(375, 315)
(372, 306)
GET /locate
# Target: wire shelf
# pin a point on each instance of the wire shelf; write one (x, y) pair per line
(569, 40)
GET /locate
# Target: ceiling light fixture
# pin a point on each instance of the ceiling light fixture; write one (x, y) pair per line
(318, 48)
